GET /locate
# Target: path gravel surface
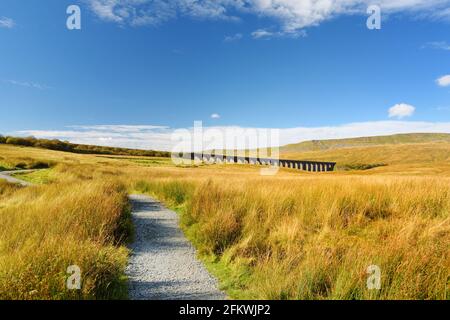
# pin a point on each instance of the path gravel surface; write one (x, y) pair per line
(6, 175)
(163, 263)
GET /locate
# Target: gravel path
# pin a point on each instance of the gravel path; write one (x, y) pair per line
(6, 175)
(163, 264)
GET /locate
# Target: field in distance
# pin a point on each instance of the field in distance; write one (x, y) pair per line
(296, 235)
(399, 154)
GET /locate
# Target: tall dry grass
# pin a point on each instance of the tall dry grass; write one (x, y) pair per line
(6, 189)
(292, 236)
(315, 238)
(46, 229)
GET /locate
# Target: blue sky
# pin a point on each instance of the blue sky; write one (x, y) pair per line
(310, 68)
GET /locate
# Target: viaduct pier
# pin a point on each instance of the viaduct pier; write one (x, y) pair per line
(312, 166)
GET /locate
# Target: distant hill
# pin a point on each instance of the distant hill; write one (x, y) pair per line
(415, 152)
(426, 153)
(321, 145)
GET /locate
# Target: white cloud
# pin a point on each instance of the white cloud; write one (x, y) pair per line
(215, 116)
(444, 81)
(293, 15)
(442, 45)
(106, 10)
(266, 34)
(27, 84)
(129, 136)
(120, 128)
(153, 12)
(7, 23)
(235, 37)
(443, 14)
(160, 137)
(401, 110)
(261, 33)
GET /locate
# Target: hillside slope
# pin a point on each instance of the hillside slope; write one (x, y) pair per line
(316, 145)
(415, 153)
(412, 153)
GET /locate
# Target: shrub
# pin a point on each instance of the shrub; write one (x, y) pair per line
(361, 166)
(29, 141)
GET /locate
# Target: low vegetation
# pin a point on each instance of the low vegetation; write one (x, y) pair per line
(6, 189)
(396, 139)
(296, 235)
(398, 159)
(315, 238)
(46, 229)
(43, 176)
(23, 163)
(360, 166)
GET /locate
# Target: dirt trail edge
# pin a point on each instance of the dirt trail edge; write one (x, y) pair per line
(163, 263)
(6, 175)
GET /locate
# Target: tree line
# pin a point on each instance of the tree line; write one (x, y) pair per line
(59, 145)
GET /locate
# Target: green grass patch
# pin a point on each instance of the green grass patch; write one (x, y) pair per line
(233, 276)
(152, 162)
(146, 162)
(44, 176)
(360, 166)
(24, 163)
(4, 166)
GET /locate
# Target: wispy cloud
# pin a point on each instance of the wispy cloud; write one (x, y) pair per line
(120, 128)
(441, 45)
(233, 38)
(443, 14)
(215, 116)
(160, 137)
(291, 15)
(7, 23)
(261, 34)
(266, 34)
(154, 12)
(27, 84)
(444, 81)
(129, 136)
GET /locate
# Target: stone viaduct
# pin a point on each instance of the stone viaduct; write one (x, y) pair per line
(314, 166)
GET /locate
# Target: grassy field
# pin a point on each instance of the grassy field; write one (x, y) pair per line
(396, 139)
(398, 159)
(296, 235)
(79, 217)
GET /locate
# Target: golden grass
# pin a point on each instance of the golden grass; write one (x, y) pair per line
(46, 229)
(293, 236)
(315, 238)
(399, 159)
(6, 189)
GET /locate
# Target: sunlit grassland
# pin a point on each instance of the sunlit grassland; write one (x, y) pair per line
(43, 176)
(295, 235)
(399, 159)
(314, 238)
(140, 159)
(46, 229)
(395, 139)
(77, 218)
